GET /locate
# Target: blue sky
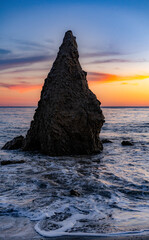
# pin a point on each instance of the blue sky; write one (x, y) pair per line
(113, 36)
(34, 27)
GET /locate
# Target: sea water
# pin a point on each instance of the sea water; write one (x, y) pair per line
(35, 196)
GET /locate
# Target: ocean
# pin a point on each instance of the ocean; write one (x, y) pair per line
(112, 187)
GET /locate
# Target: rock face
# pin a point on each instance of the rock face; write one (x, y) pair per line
(15, 143)
(68, 119)
(127, 143)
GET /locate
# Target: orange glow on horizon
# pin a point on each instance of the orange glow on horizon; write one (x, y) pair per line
(24, 88)
(110, 89)
(119, 94)
(106, 77)
(17, 97)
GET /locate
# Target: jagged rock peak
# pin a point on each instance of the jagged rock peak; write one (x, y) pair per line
(68, 53)
(68, 118)
(69, 42)
(68, 37)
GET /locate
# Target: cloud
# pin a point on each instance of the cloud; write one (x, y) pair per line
(115, 60)
(30, 42)
(18, 62)
(106, 57)
(106, 78)
(24, 86)
(26, 45)
(94, 76)
(21, 87)
(4, 51)
(26, 52)
(101, 54)
(24, 69)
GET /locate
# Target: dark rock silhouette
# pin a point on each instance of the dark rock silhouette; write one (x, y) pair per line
(68, 119)
(74, 193)
(105, 140)
(7, 162)
(127, 143)
(15, 143)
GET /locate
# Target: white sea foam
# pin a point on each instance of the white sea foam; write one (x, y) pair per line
(62, 232)
(90, 211)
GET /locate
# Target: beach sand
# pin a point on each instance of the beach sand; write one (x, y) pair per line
(100, 238)
(23, 229)
(78, 238)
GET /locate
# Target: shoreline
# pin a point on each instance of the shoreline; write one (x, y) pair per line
(141, 237)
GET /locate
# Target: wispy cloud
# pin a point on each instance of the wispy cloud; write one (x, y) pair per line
(4, 51)
(24, 61)
(25, 52)
(32, 45)
(110, 56)
(106, 78)
(116, 60)
(101, 54)
(29, 43)
(21, 87)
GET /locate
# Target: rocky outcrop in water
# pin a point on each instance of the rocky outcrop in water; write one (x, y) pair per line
(15, 143)
(127, 143)
(68, 119)
(106, 141)
(8, 162)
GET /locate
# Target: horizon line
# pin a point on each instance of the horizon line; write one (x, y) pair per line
(101, 106)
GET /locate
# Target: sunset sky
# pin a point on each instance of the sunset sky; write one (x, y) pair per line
(113, 41)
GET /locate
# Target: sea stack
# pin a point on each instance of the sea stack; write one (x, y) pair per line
(68, 118)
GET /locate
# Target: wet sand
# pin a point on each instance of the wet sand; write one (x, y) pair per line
(77, 238)
(100, 238)
(106, 238)
(21, 228)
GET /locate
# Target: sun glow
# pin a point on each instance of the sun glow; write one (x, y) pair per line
(128, 93)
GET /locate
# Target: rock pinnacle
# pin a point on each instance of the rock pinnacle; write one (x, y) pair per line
(68, 118)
